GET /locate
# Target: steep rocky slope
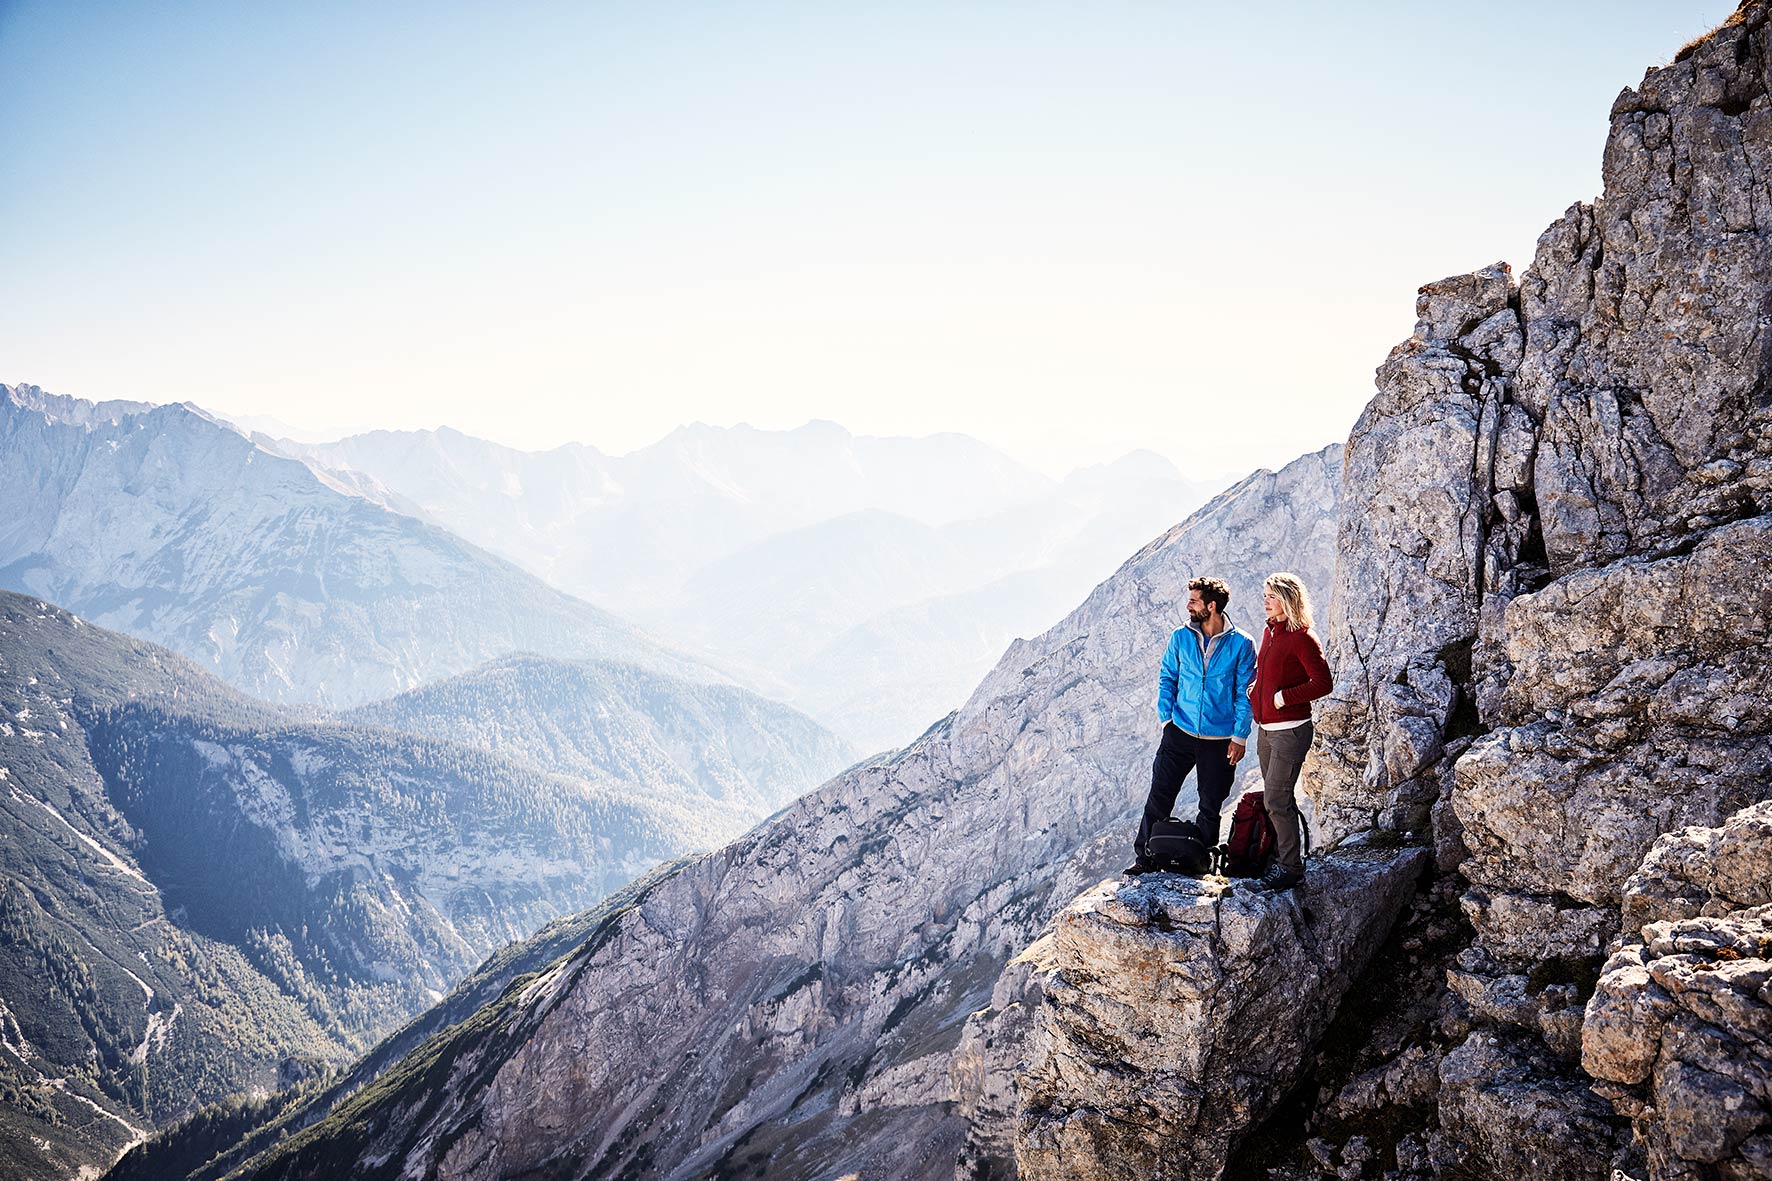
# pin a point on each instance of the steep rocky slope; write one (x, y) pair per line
(202, 894)
(791, 1006)
(1551, 615)
(286, 582)
(719, 751)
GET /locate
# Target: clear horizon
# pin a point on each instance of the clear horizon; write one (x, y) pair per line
(1069, 235)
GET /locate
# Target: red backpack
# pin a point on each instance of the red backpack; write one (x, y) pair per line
(1251, 846)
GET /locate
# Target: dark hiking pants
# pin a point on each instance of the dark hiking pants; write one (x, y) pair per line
(1281, 753)
(1179, 753)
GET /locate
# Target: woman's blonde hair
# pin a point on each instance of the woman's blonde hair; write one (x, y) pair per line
(1294, 599)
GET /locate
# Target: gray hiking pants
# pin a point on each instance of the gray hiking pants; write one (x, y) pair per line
(1281, 753)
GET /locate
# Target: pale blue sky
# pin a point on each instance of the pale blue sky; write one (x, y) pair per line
(1068, 229)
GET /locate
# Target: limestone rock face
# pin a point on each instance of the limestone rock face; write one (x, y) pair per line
(1645, 356)
(1680, 1026)
(995, 1039)
(1638, 691)
(1608, 408)
(1551, 619)
(989, 1059)
(797, 1002)
(1410, 582)
(1177, 1012)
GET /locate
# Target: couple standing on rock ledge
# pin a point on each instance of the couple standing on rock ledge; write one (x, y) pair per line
(1210, 689)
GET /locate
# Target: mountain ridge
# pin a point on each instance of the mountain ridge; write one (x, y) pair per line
(715, 748)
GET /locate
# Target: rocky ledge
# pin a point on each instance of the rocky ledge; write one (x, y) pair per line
(1178, 1011)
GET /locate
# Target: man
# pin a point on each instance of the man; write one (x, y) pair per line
(1203, 701)
(1290, 673)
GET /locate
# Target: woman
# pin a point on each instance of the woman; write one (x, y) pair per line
(1290, 673)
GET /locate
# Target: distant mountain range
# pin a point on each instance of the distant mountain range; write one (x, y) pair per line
(202, 894)
(617, 528)
(207, 894)
(288, 582)
(868, 581)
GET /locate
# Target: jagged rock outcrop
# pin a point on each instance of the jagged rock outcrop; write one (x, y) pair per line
(1551, 615)
(793, 1002)
(1177, 1012)
(1680, 1026)
(994, 1041)
(1409, 583)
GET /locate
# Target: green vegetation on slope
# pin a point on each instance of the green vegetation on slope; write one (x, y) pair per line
(204, 896)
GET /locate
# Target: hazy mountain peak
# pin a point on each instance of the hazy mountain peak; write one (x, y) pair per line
(78, 411)
(825, 427)
(276, 428)
(1142, 464)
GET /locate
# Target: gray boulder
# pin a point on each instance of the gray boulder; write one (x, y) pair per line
(1679, 1029)
(1178, 1011)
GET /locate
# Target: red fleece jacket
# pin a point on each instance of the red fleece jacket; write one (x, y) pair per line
(1290, 663)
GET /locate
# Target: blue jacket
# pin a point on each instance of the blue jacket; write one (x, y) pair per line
(1204, 683)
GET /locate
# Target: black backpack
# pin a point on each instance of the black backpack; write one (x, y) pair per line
(1178, 846)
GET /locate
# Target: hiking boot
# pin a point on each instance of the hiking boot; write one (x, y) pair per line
(1279, 878)
(1139, 868)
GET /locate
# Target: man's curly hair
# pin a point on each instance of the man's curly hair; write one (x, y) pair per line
(1212, 590)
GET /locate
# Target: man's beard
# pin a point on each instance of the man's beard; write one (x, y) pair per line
(1198, 616)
